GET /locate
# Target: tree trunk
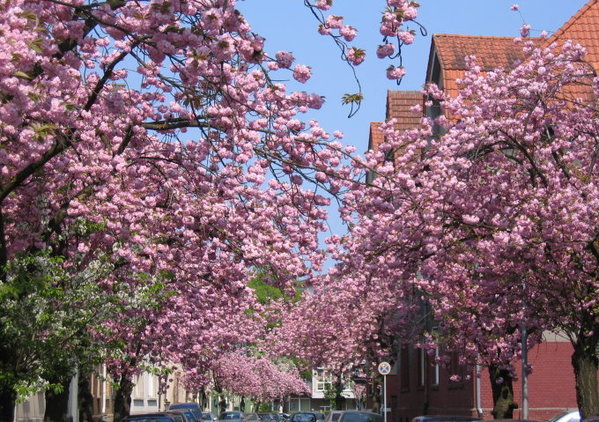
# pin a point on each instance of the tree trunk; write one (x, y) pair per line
(86, 400)
(503, 393)
(122, 399)
(376, 395)
(8, 396)
(585, 363)
(222, 404)
(339, 399)
(57, 404)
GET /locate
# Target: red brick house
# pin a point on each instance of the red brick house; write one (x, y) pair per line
(419, 387)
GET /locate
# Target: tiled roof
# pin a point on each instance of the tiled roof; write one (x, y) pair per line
(376, 136)
(452, 50)
(492, 52)
(399, 104)
(582, 28)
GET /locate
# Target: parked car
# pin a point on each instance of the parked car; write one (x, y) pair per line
(193, 407)
(231, 416)
(185, 414)
(572, 416)
(208, 417)
(151, 417)
(251, 417)
(353, 416)
(307, 417)
(280, 417)
(445, 418)
(267, 417)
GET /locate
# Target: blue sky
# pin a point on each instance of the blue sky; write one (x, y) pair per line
(288, 25)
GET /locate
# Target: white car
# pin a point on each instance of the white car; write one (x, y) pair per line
(572, 416)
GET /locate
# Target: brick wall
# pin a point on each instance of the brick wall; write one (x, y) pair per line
(551, 387)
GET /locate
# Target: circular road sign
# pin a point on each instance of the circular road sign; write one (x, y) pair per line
(384, 368)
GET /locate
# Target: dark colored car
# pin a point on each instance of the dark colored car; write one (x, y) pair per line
(151, 417)
(307, 417)
(188, 407)
(208, 417)
(185, 414)
(445, 418)
(231, 416)
(353, 416)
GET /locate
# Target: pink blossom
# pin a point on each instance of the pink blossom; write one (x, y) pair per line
(285, 59)
(385, 50)
(348, 32)
(356, 55)
(302, 73)
(395, 72)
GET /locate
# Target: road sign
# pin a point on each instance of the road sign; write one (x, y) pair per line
(384, 368)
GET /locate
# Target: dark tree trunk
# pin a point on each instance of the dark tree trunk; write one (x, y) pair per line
(222, 404)
(86, 400)
(8, 396)
(57, 404)
(503, 393)
(376, 395)
(122, 399)
(203, 399)
(339, 399)
(585, 363)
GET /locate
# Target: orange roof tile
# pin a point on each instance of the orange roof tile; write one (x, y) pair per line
(491, 53)
(582, 28)
(399, 105)
(376, 136)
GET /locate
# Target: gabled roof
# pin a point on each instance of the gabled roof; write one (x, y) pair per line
(451, 51)
(492, 52)
(582, 28)
(376, 136)
(399, 105)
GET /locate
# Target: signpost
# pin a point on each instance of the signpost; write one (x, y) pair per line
(384, 370)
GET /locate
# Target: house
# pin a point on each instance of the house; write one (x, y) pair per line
(320, 399)
(420, 386)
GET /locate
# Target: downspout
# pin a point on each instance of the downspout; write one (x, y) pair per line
(479, 408)
(103, 394)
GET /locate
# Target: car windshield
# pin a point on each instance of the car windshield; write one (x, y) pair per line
(566, 417)
(304, 417)
(361, 417)
(206, 416)
(231, 415)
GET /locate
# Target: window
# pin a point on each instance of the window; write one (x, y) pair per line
(323, 381)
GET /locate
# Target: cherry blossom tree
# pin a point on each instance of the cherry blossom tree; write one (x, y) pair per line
(491, 226)
(149, 139)
(258, 377)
